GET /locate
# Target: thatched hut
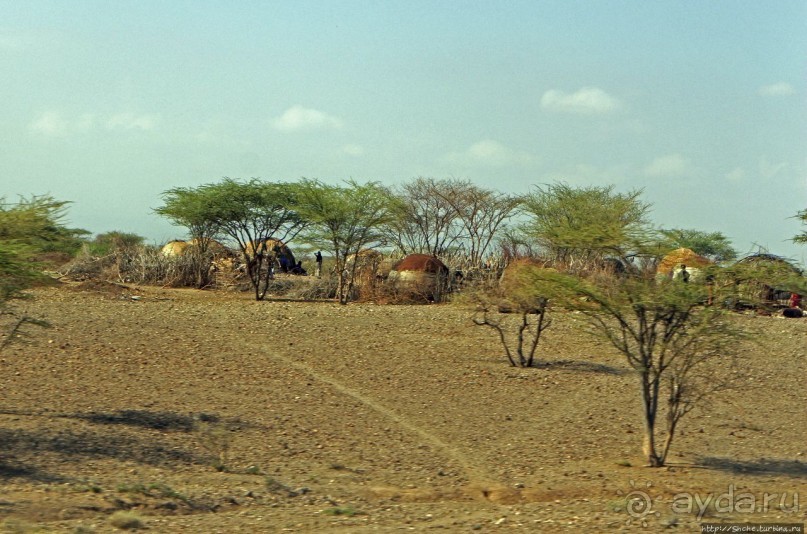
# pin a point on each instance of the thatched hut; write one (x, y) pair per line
(177, 248)
(421, 274)
(278, 254)
(764, 279)
(365, 266)
(672, 264)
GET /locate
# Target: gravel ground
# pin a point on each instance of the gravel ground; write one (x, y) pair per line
(208, 412)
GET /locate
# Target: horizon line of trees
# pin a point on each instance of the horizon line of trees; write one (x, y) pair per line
(451, 218)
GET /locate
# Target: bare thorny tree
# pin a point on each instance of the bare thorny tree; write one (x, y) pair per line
(517, 311)
(519, 332)
(482, 213)
(425, 221)
(450, 217)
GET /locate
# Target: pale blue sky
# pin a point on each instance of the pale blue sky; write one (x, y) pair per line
(701, 103)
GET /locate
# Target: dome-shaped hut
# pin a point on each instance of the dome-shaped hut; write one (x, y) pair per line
(763, 280)
(422, 275)
(672, 265)
(177, 247)
(277, 253)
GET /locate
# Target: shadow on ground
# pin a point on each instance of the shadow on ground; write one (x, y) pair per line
(141, 437)
(159, 420)
(581, 366)
(144, 419)
(9, 470)
(763, 466)
(85, 445)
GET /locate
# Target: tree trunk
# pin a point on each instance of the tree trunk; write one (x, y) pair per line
(342, 289)
(667, 443)
(650, 405)
(649, 447)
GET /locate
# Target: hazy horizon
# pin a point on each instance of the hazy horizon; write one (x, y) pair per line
(701, 104)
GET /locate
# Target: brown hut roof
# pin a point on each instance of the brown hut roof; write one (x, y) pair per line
(421, 263)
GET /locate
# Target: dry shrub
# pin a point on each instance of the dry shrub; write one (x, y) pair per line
(367, 292)
(84, 267)
(152, 267)
(139, 265)
(314, 288)
(476, 279)
(280, 287)
(126, 520)
(143, 265)
(17, 526)
(292, 287)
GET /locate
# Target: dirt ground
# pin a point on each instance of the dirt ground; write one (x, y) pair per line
(206, 412)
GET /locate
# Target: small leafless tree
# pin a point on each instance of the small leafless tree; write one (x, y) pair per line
(519, 332)
(517, 311)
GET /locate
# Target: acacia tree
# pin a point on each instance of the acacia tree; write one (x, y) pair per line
(251, 214)
(190, 208)
(578, 227)
(28, 229)
(38, 222)
(426, 219)
(712, 245)
(344, 220)
(679, 349)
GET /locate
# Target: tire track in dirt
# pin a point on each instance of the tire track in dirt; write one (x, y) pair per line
(475, 474)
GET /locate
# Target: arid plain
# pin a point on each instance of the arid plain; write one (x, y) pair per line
(203, 412)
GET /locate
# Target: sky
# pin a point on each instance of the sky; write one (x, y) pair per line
(701, 104)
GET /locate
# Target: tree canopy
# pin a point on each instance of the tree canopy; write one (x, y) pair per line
(38, 222)
(440, 217)
(189, 208)
(426, 220)
(344, 220)
(583, 224)
(28, 228)
(249, 213)
(712, 245)
(676, 345)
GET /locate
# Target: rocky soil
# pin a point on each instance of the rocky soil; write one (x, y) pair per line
(205, 412)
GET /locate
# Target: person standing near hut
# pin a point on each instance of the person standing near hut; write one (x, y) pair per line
(683, 274)
(318, 257)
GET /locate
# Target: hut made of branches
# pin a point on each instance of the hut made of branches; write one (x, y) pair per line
(766, 280)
